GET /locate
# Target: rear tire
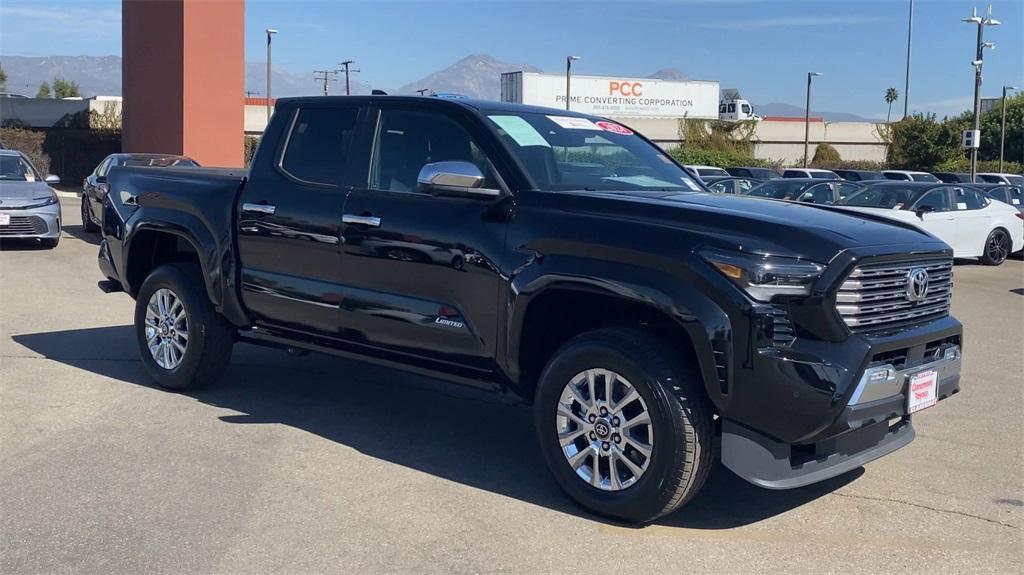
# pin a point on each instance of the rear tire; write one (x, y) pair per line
(183, 342)
(678, 438)
(997, 247)
(87, 224)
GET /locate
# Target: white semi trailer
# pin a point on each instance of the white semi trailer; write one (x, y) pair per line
(624, 97)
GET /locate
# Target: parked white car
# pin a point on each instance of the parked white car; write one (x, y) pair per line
(700, 172)
(815, 173)
(962, 216)
(909, 176)
(994, 178)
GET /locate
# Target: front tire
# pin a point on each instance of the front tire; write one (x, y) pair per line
(87, 224)
(183, 342)
(623, 426)
(997, 247)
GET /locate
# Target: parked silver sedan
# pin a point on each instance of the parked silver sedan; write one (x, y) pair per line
(28, 205)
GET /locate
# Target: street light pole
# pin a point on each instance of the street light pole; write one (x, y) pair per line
(568, 76)
(1002, 129)
(270, 32)
(906, 86)
(807, 115)
(978, 63)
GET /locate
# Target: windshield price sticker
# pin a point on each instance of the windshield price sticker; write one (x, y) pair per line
(615, 128)
(572, 123)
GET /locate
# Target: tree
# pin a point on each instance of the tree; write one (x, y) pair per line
(825, 156)
(891, 95)
(44, 91)
(65, 88)
(920, 142)
(991, 126)
(3, 79)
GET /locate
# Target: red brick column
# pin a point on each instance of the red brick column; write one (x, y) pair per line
(183, 78)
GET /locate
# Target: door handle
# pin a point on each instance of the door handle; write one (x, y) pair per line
(372, 221)
(259, 209)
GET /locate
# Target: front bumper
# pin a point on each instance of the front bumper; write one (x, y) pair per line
(874, 423)
(41, 222)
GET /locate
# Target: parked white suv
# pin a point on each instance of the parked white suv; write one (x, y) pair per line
(994, 178)
(810, 173)
(909, 176)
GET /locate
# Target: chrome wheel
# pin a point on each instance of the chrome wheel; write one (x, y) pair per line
(166, 328)
(605, 430)
(997, 248)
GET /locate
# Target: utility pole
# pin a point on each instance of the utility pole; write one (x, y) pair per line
(1002, 130)
(346, 64)
(978, 63)
(270, 32)
(568, 77)
(325, 77)
(807, 116)
(906, 86)
(422, 91)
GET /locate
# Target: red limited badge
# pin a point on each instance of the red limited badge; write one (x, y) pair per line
(613, 127)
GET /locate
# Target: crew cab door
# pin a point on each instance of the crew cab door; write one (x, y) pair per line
(289, 220)
(421, 271)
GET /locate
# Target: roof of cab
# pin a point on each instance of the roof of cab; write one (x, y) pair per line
(482, 106)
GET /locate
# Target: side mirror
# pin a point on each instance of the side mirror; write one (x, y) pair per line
(456, 178)
(101, 179)
(51, 179)
(921, 211)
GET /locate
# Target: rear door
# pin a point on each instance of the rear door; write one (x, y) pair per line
(973, 222)
(421, 272)
(289, 221)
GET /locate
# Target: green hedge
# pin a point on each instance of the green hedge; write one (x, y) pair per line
(721, 159)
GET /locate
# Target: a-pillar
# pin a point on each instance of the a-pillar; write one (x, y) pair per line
(183, 78)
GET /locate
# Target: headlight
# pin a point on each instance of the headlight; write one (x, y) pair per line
(765, 277)
(43, 200)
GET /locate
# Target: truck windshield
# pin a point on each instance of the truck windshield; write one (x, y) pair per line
(563, 153)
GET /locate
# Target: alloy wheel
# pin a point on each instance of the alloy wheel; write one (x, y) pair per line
(605, 429)
(997, 249)
(166, 328)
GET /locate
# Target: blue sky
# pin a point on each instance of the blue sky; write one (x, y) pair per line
(763, 47)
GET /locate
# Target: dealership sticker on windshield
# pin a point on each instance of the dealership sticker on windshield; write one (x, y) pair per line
(922, 390)
(572, 123)
(614, 128)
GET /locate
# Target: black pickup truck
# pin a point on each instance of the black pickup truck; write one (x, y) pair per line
(560, 257)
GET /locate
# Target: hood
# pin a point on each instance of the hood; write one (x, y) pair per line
(763, 225)
(13, 194)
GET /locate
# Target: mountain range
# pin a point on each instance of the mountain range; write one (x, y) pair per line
(476, 76)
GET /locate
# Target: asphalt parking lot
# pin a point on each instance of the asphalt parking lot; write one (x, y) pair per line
(315, 465)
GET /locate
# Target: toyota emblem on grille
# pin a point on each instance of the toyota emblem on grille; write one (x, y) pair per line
(917, 284)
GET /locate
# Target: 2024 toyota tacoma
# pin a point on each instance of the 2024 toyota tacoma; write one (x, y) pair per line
(558, 256)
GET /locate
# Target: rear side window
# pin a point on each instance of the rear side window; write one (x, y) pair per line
(1016, 196)
(898, 177)
(794, 174)
(999, 194)
(969, 199)
(936, 199)
(318, 145)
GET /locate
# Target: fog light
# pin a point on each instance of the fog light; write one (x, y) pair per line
(880, 374)
(952, 353)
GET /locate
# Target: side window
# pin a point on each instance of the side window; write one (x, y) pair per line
(1000, 194)
(968, 199)
(846, 190)
(721, 108)
(792, 174)
(1016, 196)
(744, 186)
(937, 199)
(408, 140)
(732, 108)
(318, 145)
(817, 194)
(746, 108)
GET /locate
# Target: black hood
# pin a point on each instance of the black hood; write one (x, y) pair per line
(764, 225)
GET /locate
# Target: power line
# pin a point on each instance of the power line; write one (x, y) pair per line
(347, 64)
(325, 76)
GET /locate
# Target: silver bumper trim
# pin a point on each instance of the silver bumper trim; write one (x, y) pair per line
(882, 381)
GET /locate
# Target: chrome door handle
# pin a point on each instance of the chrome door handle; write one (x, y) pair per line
(372, 221)
(259, 209)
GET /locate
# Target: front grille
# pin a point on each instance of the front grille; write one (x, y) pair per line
(24, 226)
(874, 296)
